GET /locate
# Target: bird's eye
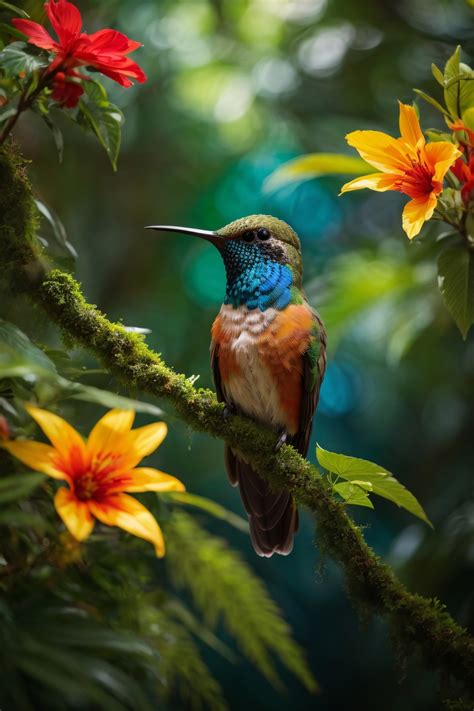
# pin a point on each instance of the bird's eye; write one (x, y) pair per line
(248, 236)
(263, 233)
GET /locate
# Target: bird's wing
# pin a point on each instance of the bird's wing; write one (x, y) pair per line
(314, 365)
(230, 459)
(216, 373)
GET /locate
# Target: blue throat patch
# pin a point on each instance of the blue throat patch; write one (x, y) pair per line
(254, 280)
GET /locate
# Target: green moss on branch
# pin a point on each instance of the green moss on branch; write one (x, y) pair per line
(414, 620)
(20, 258)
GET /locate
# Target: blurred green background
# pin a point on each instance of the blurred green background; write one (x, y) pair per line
(235, 88)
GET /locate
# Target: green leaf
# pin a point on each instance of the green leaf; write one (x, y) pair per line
(364, 473)
(13, 8)
(347, 467)
(16, 58)
(451, 68)
(20, 358)
(102, 118)
(353, 494)
(88, 393)
(18, 486)
(456, 282)
(314, 165)
(468, 118)
(429, 99)
(13, 517)
(7, 113)
(18, 355)
(209, 506)
(434, 135)
(57, 135)
(438, 74)
(467, 94)
(459, 85)
(57, 227)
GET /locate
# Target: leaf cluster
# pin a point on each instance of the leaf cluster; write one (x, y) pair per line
(362, 478)
(100, 624)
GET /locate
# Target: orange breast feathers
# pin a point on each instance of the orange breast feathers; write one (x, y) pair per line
(281, 349)
(278, 340)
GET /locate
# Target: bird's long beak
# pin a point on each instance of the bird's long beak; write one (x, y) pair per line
(208, 235)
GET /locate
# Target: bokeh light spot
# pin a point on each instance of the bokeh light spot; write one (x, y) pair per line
(338, 391)
(204, 276)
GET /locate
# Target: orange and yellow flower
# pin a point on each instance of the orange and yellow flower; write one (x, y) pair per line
(407, 164)
(460, 127)
(99, 472)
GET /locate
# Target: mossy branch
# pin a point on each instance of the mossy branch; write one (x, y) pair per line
(414, 620)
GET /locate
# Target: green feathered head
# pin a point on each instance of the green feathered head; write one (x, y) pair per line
(273, 237)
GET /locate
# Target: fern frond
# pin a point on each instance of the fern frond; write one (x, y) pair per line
(224, 588)
(183, 672)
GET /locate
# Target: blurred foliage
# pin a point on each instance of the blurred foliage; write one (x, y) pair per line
(87, 624)
(453, 205)
(235, 90)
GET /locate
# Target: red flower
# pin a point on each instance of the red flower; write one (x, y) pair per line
(464, 172)
(105, 50)
(66, 91)
(5, 432)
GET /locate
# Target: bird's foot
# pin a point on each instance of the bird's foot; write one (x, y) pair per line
(228, 410)
(282, 437)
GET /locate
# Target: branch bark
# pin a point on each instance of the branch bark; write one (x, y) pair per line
(414, 620)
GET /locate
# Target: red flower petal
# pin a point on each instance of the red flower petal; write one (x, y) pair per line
(104, 50)
(110, 41)
(114, 66)
(461, 170)
(65, 19)
(125, 68)
(133, 45)
(36, 33)
(116, 76)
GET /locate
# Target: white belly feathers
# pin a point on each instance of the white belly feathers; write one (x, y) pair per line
(252, 390)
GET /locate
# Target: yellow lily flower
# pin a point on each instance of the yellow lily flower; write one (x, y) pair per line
(407, 164)
(99, 472)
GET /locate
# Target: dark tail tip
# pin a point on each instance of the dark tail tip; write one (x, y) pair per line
(273, 517)
(278, 539)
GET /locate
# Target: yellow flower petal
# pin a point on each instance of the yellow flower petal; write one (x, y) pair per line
(416, 212)
(441, 155)
(129, 514)
(64, 438)
(74, 513)
(148, 479)
(108, 434)
(39, 457)
(144, 440)
(380, 150)
(410, 127)
(376, 181)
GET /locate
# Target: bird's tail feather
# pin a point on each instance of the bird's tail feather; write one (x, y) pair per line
(273, 517)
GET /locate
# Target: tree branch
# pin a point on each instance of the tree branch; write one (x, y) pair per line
(414, 620)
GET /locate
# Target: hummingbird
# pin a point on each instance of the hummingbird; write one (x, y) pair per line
(268, 357)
